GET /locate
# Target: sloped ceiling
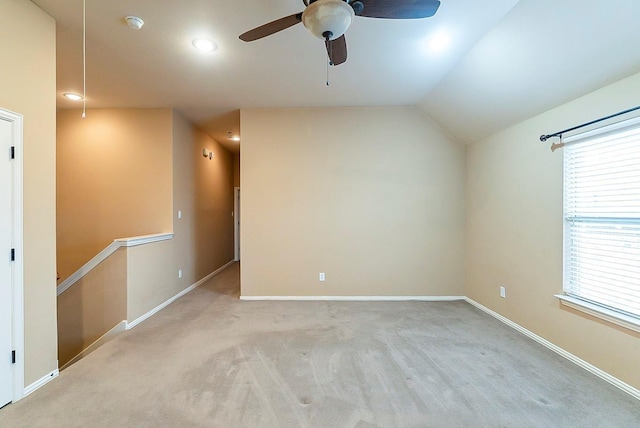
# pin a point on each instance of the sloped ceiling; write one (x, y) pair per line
(507, 60)
(542, 54)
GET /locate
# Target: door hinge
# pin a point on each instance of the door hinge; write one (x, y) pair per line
(13, 357)
(13, 152)
(13, 254)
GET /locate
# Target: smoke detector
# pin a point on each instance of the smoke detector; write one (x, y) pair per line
(134, 22)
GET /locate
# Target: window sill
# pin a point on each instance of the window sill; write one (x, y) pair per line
(599, 312)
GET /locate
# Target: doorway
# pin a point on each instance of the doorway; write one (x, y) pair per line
(11, 286)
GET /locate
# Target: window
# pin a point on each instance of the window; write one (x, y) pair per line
(602, 222)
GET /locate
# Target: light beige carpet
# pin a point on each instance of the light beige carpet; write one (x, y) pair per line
(211, 360)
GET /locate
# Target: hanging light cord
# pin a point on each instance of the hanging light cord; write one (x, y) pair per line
(84, 58)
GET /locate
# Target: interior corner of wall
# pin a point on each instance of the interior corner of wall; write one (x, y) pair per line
(422, 109)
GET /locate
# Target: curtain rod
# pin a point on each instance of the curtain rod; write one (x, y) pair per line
(544, 138)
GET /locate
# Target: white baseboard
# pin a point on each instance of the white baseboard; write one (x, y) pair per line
(127, 325)
(569, 356)
(40, 382)
(360, 298)
(120, 327)
(132, 324)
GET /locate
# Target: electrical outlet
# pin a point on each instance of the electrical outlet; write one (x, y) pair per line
(321, 277)
(179, 273)
(503, 292)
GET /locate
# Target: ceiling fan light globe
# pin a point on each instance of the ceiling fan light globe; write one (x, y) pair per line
(324, 17)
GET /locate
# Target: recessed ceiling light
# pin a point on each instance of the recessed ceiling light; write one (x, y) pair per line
(439, 42)
(72, 96)
(205, 45)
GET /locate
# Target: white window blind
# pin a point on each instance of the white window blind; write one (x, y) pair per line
(602, 217)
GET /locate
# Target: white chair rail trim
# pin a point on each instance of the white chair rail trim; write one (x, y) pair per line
(102, 256)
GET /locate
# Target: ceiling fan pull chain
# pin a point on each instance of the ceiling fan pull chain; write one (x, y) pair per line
(328, 61)
(327, 35)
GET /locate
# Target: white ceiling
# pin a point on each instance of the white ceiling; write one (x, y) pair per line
(543, 54)
(504, 64)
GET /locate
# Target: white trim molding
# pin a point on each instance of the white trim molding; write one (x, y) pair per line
(360, 298)
(569, 356)
(132, 324)
(600, 312)
(143, 239)
(236, 223)
(110, 249)
(40, 382)
(17, 242)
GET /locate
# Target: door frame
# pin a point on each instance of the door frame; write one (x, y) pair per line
(17, 280)
(236, 224)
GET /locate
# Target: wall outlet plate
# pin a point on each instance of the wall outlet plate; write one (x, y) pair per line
(321, 277)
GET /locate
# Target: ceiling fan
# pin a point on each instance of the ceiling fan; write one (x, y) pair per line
(330, 19)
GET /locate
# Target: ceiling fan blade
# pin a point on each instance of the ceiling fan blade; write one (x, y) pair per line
(337, 50)
(271, 28)
(399, 9)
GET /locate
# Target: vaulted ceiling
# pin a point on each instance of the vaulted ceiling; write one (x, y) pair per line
(507, 60)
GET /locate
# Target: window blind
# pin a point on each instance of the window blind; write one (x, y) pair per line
(602, 217)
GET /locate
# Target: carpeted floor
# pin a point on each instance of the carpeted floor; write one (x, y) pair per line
(211, 360)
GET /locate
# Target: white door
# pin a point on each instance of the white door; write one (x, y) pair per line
(6, 215)
(236, 222)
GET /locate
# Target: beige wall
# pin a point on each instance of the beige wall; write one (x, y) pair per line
(203, 237)
(28, 87)
(150, 277)
(203, 191)
(514, 226)
(114, 179)
(93, 306)
(373, 197)
(236, 170)
(147, 149)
